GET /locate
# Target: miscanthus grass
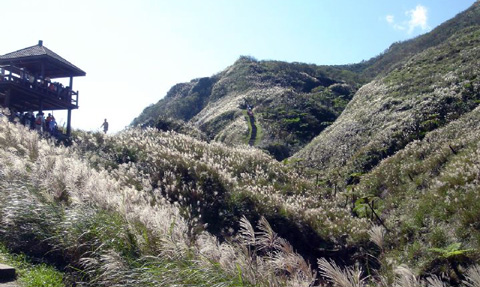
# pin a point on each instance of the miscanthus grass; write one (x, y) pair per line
(133, 210)
(105, 230)
(211, 181)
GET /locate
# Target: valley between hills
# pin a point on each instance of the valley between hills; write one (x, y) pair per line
(267, 174)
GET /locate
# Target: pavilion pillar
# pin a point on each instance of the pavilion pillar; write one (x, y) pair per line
(69, 121)
(69, 115)
(40, 105)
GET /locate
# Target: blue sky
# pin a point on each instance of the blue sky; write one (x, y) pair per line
(134, 51)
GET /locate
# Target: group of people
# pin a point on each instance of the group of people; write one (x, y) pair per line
(37, 122)
(38, 82)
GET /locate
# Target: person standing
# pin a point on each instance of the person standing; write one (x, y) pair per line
(39, 122)
(52, 126)
(105, 126)
(32, 119)
(47, 122)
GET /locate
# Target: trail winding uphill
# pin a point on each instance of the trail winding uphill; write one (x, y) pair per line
(253, 134)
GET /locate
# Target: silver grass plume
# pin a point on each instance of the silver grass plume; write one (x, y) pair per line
(405, 277)
(377, 234)
(434, 281)
(266, 237)
(287, 259)
(348, 277)
(247, 234)
(473, 276)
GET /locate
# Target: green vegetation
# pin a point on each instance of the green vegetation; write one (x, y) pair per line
(31, 274)
(293, 103)
(383, 176)
(425, 93)
(106, 208)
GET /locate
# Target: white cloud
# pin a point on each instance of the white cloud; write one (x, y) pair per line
(390, 19)
(418, 18)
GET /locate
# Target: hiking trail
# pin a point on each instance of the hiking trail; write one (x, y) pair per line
(253, 134)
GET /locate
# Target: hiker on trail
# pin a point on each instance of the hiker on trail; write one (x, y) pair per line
(52, 126)
(39, 122)
(105, 126)
(27, 119)
(47, 122)
(249, 110)
(32, 120)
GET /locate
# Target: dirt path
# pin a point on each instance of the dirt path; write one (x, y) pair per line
(253, 135)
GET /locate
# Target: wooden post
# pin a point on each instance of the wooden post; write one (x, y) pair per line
(40, 105)
(69, 116)
(69, 120)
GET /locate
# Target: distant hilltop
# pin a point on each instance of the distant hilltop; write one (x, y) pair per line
(300, 109)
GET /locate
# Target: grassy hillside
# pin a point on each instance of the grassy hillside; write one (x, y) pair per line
(428, 195)
(426, 92)
(292, 102)
(147, 207)
(103, 216)
(383, 188)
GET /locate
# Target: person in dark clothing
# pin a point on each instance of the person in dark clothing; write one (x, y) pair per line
(105, 126)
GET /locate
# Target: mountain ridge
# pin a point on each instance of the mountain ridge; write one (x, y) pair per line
(300, 99)
(385, 174)
(428, 91)
(294, 102)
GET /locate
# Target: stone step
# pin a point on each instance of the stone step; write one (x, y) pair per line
(7, 273)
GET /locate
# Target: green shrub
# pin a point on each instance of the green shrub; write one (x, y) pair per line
(30, 274)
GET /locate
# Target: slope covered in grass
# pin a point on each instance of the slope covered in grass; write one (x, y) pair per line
(292, 102)
(428, 196)
(137, 207)
(428, 91)
(216, 185)
(146, 207)
(99, 217)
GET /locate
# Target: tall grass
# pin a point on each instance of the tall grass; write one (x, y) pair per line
(133, 210)
(109, 227)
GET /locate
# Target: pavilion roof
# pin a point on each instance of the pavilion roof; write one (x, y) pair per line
(32, 59)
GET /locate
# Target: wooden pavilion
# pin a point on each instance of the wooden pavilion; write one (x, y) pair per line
(26, 81)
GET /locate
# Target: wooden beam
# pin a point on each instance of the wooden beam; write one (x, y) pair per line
(69, 120)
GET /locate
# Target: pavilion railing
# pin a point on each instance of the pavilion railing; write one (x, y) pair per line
(56, 90)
